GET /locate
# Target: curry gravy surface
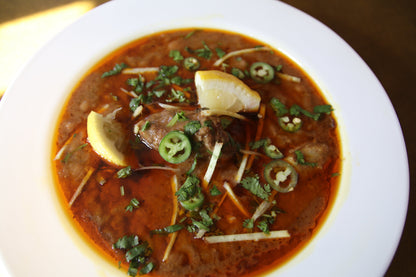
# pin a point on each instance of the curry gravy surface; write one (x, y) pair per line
(100, 209)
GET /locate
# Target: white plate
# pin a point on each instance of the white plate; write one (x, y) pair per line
(364, 228)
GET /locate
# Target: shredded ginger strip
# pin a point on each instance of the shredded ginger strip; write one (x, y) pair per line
(172, 237)
(81, 185)
(239, 52)
(139, 70)
(248, 236)
(212, 164)
(235, 200)
(288, 77)
(223, 112)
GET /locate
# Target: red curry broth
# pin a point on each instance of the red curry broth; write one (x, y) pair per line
(100, 209)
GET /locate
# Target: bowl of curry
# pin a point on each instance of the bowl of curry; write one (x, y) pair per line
(200, 143)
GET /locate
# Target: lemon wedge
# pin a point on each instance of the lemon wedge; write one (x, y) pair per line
(106, 137)
(218, 90)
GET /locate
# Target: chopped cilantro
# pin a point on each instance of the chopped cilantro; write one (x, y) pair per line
(124, 172)
(263, 225)
(126, 242)
(167, 230)
(192, 127)
(204, 52)
(205, 223)
(135, 102)
(253, 185)
(176, 95)
(116, 70)
(300, 159)
(176, 55)
(320, 109)
(209, 124)
(188, 189)
(220, 53)
(137, 254)
(248, 223)
(193, 166)
(134, 203)
(225, 122)
(146, 126)
(215, 191)
(188, 35)
(278, 107)
(259, 143)
(179, 116)
(146, 269)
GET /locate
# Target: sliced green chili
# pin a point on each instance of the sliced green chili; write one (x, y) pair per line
(191, 63)
(175, 147)
(194, 202)
(261, 72)
(281, 176)
(272, 151)
(290, 125)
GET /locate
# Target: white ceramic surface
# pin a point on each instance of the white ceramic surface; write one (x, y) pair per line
(364, 228)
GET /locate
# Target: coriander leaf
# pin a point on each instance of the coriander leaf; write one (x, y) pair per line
(190, 34)
(176, 95)
(179, 116)
(263, 225)
(209, 124)
(126, 242)
(136, 251)
(135, 102)
(134, 203)
(192, 127)
(193, 166)
(320, 109)
(225, 122)
(167, 71)
(278, 107)
(215, 191)
(205, 223)
(116, 70)
(159, 93)
(296, 110)
(176, 55)
(168, 229)
(220, 53)
(124, 172)
(259, 143)
(146, 126)
(248, 223)
(300, 159)
(188, 189)
(204, 52)
(132, 82)
(253, 185)
(147, 268)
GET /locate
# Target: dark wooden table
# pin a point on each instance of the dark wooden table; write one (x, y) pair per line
(383, 33)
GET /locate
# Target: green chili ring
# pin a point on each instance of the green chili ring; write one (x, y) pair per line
(272, 151)
(271, 171)
(175, 147)
(194, 202)
(290, 125)
(191, 63)
(261, 72)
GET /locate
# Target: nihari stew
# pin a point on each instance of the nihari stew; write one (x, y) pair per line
(197, 153)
